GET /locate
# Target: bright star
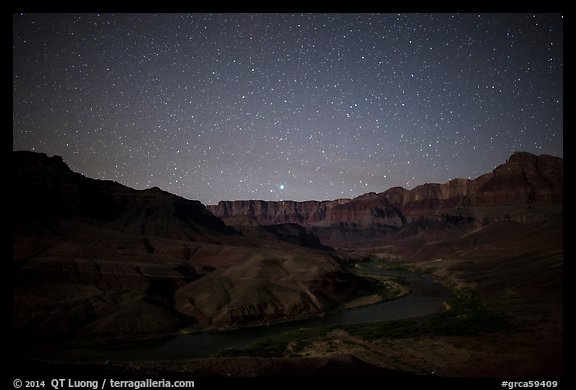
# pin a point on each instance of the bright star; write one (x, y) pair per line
(282, 186)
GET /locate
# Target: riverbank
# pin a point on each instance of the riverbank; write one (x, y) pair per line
(427, 297)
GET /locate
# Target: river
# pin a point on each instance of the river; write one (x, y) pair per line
(427, 297)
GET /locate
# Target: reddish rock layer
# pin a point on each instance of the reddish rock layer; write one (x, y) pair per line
(524, 180)
(96, 259)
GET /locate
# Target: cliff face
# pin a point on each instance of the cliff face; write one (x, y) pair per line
(367, 210)
(46, 189)
(515, 187)
(525, 178)
(260, 212)
(523, 181)
(96, 259)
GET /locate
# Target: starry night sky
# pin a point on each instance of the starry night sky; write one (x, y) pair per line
(281, 106)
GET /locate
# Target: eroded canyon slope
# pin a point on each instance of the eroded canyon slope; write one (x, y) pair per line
(500, 235)
(525, 188)
(96, 259)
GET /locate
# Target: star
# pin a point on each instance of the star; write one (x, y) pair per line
(342, 104)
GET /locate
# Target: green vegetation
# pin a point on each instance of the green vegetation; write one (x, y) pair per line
(466, 316)
(291, 342)
(389, 288)
(372, 261)
(191, 329)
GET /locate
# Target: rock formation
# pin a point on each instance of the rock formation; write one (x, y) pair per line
(96, 259)
(522, 188)
(524, 180)
(45, 189)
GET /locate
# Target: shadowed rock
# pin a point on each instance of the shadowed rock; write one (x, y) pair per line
(94, 258)
(526, 187)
